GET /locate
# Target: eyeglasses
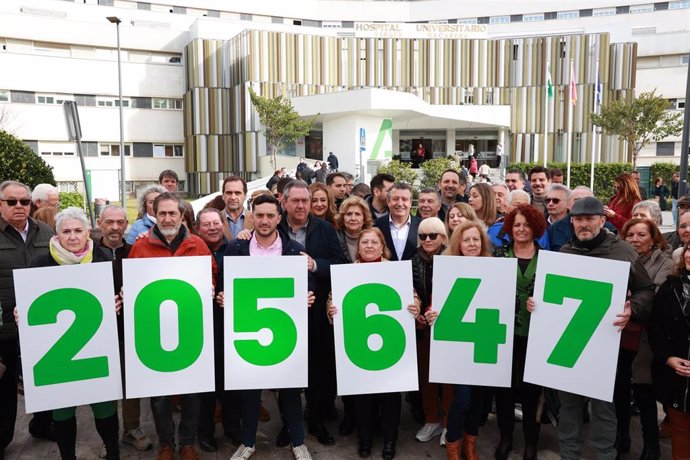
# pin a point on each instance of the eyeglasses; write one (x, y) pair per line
(553, 200)
(431, 236)
(13, 202)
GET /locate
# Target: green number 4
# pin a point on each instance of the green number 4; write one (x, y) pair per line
(486, 332)
(595, 299)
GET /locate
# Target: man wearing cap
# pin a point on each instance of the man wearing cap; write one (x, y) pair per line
(592, 240)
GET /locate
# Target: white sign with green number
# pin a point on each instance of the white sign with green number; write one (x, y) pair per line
(375, 348)
(573, 344)
(68, 331)
(265, 322)
(168, 326)
(472, 338)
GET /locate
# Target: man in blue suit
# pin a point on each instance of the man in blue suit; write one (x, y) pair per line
(399, 227)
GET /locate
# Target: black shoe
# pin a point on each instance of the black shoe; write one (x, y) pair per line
(319, 431)
(347, 425)
(283, 438)
(364, 450)
(208, 444)
(503, 451)
(388, 450)
(41, 430)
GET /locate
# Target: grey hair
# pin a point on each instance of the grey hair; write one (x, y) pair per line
(500, 184)
(583, 187)
(509, 198)
(41, 192)
(432, 225)
(654, 209)
(10, 183)
(560, 188)
(71, 213)
(295, 184)
(146, 191)
(114, 207)
(432, 190)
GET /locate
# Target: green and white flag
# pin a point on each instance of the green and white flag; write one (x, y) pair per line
(549, 83)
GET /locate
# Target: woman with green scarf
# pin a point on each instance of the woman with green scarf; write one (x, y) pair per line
(524, 225)
(72, 246)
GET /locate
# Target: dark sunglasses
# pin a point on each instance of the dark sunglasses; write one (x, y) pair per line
(553, 200)
(431, 236)
(13, 202)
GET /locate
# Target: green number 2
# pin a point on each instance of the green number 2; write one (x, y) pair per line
(58, 364)
(249, 318)
(596, 300)
(487, 333)
(358, 327)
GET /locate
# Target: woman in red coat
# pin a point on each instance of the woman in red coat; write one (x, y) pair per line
(627, 195)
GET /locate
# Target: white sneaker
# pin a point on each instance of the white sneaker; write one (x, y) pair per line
(243, 452)
(428, 432)
(137, 438)
(301, 452)
(442, 441)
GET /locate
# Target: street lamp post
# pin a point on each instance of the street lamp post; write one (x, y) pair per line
(123, 193)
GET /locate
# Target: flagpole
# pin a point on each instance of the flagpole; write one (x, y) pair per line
(546, 113)
(594, 128)
(569, 140)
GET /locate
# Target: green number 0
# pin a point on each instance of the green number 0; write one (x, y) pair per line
(147, 325)
(58, 364)
(359, 327)
(249, 318)
(487, 333)
(596, 300)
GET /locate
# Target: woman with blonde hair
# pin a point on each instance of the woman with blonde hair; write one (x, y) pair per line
(483, 200)
(457, 214)
(354, 216)
(322, 202)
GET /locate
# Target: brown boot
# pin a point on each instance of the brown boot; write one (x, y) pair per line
(469, 447)
(453, 449)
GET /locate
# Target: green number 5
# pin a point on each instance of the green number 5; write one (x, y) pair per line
(487, 333)
(58, 364)
(596, 300)
(249, 318)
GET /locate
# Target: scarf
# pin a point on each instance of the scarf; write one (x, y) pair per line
(590, 244)
(64, 257)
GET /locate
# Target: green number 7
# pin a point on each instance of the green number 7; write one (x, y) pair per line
(596, 300)
(249, 318)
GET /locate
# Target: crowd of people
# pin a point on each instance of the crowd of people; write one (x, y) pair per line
(335, 222)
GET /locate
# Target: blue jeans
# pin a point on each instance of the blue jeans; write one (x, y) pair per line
(457, 413)
(290, 403)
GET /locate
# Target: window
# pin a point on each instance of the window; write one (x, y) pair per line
(648, 8)
(568, 14)
(68, 186)
(665, 149)
(57, 153)
(532, 17)
(167, 103)
(112, 102)
(684, 59)
(113, 150)
(167, 150)
(4, 95)
(53, 98)
(678, 5)
(467, 21)
(604, 12)
(499, 19)
(680, 104)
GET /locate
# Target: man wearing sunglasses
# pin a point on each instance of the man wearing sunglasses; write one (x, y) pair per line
(557, 202)
(21, 240)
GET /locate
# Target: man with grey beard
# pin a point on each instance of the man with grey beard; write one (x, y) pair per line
(169, 238)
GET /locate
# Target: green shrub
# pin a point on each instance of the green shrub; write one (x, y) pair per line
(604, 175)
(433, 170)
(664, 170)
(20, 163)
(402, 172)
(71, 199)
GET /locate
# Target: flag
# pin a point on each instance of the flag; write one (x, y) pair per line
(549, 83)
(597, 91)
(573, 87)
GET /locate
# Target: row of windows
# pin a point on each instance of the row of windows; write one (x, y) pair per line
(163, 103)
(608, 11)
(113, 150)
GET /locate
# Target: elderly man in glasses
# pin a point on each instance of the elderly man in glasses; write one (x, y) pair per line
(21, 239)
(557, 202)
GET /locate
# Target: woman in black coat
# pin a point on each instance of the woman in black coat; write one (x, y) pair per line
(669, 336)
